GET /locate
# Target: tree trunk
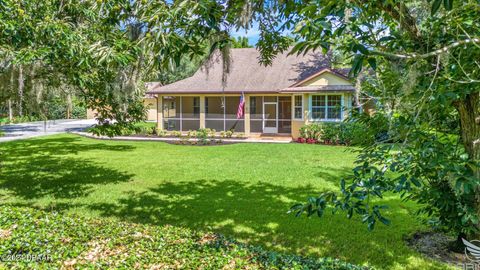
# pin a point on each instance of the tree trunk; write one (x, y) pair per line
(69, 106)
(10, 111)
(20, 90)
(469, 113)
(12, 87)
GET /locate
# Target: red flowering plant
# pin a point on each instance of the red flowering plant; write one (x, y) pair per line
(301, 140)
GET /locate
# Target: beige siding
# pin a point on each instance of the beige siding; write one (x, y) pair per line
(150, 105)
(296, 125)
(326, 78)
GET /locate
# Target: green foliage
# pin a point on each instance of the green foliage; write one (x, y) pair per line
(72, 241)
(431, 170)
(311, 131)
(103, 50)
(201, 188)
(350, 132)
(176, 133)
(161, 133)
(57, 109)
(202, 135)
(417, 60)
(229, 134)
(24, 119)
(191, 133)
(240, 42)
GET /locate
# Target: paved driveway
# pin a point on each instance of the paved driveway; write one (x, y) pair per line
(34, 129)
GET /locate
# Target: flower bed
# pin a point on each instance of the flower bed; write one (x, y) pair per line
(46, 240)
(344, 133)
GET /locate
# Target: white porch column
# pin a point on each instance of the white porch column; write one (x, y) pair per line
(247, 115)
(202, 111)
(159, 112)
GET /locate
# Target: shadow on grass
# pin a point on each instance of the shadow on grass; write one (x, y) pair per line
(257, 213)
(41, 167)
(250, 211)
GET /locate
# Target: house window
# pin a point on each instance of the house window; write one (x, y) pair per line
(326, 107)
(334, 107)
(298, 107)
(196, 105)
(318, 107)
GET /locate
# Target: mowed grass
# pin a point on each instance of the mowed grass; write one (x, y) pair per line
(240, 190)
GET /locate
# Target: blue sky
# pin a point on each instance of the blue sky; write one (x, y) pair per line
(253, 34)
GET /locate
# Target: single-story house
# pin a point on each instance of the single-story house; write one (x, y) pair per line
(279, 98)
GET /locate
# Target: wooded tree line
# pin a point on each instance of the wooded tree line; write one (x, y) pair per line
(26, 97)
(124, 38)
(417, 59)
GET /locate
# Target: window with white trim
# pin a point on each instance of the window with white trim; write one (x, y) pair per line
(297, 107)
(326, 107)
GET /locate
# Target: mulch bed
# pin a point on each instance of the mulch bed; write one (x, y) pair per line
(192, 143)
(435, 245)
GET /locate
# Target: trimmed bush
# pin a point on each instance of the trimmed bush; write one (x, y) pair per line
(346, 133)
(312, 131)
(73, 242)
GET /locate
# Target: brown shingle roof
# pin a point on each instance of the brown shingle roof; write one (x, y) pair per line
(247, 75)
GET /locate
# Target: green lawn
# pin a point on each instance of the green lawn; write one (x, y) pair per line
(240, 190)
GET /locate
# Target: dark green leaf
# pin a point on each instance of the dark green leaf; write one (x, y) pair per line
(435, 6)
(373, 63)
(448, 4)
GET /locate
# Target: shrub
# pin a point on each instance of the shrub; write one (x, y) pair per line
(26, 118)
(229, 133)
(347, 133)
(161, 133)
(312, 131)
(202, 135)
(176, 133)
(57, 109)
(331, 133)
(152, 131)
(142, 130)
(124, 131)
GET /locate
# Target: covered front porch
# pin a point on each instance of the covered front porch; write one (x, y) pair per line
(263, 114)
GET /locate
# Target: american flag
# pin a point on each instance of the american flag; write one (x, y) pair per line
(241, 107)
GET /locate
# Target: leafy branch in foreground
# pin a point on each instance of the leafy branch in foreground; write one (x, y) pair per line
(431, 169)
(103, 50)
(429, 92)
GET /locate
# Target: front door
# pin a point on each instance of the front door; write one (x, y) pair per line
(270, 118)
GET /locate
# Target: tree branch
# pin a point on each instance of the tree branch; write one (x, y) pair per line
(430, 54)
